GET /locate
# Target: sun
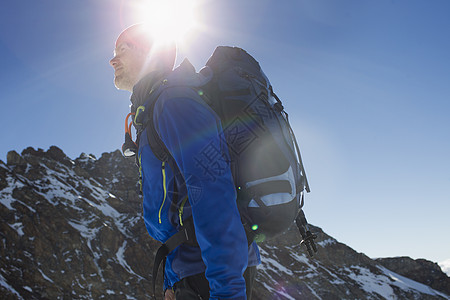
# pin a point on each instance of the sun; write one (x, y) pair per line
(168, 20)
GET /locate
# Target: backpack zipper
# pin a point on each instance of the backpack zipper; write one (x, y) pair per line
(180, 210)
(163, 170)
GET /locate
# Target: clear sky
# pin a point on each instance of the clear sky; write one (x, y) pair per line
(366, 84)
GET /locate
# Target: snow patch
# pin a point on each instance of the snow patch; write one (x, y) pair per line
(304, 260)
(45, 276)
(83, 228)
(6, 197)
(382, 284)
(28, 288)
(270, 264)
(408, 284)
(5, 285)
(56, 187)
(300, 258)
(105, 208)
(275, 266)
(371, 283)
(2, 164)
(313, 292)
(120, 255)
(109, 211)
(445, 266)
(18, 227)
(84, 158)
(336, 279)
(326, 242)
(280, 291)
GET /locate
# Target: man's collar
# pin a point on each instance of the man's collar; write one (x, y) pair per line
(145, 86)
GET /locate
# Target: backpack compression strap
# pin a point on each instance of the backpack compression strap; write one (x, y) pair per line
(185, 235)
(307, 236)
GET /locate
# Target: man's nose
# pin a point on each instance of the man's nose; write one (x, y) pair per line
(113, 61)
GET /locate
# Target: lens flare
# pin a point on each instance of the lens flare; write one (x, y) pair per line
(168, 20)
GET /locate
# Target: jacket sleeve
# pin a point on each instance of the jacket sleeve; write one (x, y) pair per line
(192, 133)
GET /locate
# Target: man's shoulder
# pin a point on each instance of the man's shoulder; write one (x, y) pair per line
(179, 98)
(186, 75)
(183, 83)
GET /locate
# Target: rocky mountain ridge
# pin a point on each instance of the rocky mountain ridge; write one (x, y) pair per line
(420, 270)
(73, 229)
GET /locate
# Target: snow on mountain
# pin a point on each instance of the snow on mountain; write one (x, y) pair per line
(445, 266)
(74, 229)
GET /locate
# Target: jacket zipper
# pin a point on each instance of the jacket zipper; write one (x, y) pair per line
(180, 210)
(163, 170)
(140, 172)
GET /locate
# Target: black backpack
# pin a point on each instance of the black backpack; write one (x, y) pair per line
(265, 159)
(267, 169)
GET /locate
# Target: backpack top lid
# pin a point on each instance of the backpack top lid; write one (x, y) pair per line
(220, 60)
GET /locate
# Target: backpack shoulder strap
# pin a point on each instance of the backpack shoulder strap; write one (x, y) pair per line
(157, 146)
(144, 120)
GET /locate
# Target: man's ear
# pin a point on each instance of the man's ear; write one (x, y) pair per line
(142, 53)
(165, 58)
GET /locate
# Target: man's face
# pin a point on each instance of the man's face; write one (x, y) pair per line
(127, 63)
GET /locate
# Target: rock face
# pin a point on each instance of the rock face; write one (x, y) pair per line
(73, 229)
(420, 270)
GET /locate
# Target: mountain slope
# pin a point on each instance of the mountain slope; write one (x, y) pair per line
(73, 229)
(420, 270)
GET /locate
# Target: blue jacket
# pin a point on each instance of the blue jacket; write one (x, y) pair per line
(192, 133)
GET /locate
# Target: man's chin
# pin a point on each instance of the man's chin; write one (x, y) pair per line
(120, 84)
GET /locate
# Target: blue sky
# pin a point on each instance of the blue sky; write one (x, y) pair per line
(366, 85)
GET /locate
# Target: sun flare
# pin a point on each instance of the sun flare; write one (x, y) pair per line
(168, 20)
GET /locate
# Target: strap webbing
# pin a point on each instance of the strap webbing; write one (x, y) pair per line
(307, 237)
(270, 187)
(182, 236)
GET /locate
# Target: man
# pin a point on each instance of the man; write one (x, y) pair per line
(185, 189)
